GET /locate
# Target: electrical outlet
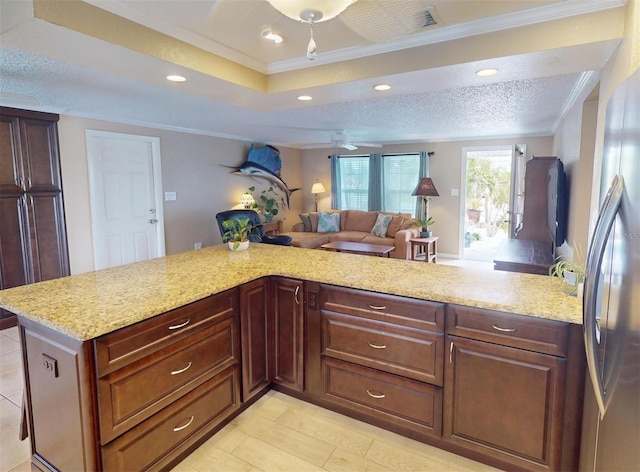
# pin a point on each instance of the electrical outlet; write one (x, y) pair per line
(50, 365)
(197, 245)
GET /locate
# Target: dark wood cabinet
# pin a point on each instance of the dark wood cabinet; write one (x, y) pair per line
(33, 243)
(507, 378)
(382, 357)
(288, 337)
(255, 336)
(139, 398)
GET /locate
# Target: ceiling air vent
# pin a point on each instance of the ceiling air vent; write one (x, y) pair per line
(430, 17)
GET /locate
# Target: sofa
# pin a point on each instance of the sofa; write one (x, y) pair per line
(356, 226)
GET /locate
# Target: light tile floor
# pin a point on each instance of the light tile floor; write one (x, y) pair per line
(277, 433)
(14, 454)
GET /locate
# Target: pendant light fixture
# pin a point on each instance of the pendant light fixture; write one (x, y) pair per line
(311, 11)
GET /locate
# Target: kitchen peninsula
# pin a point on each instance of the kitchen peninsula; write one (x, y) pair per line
(437, 350)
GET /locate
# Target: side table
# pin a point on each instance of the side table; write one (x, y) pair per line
(273, 227)
(430, 246)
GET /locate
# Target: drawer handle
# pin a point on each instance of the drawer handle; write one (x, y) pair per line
(296, 294)
(377, 346)
(180, 428)
(181, 325)
(176, 372)
(377, 307)
(376, 395)
(504, 330)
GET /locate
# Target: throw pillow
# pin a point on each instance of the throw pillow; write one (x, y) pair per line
(328, 222)
(306, 221)
(382, 224)
(408, 223)
(394, 226)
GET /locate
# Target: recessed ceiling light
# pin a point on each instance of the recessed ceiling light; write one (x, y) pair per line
(381, 87)
(270, 35)
(305, 98)
(176, 78)
(486, 72)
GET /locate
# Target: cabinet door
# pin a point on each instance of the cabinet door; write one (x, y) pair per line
(288, 333)
(504, 402)
(255, 335)
(11, 173)
(41, 163)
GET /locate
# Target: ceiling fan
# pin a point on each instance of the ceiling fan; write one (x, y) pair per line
(342, 140)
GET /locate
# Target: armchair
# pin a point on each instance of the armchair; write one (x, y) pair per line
(257, 234)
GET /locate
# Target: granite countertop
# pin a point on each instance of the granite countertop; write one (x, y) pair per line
(88, 305)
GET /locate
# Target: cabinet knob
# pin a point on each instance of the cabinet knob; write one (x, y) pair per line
(180, 428)
(179, 371)
(375, 395)
(181, 325)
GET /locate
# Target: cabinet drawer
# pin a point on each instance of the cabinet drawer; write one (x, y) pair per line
(409, 312)
(525, 332)
(153, 444)
(133, 393)
(117, 349)
(397, 400)
(410, 352)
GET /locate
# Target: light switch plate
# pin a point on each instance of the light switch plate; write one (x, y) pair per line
(169, 196)
(455, 192)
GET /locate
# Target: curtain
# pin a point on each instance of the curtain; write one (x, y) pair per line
(335, 182)
(424, 172)
(375, 182)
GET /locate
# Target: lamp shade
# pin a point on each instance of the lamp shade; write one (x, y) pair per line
(426, 188)
(317, 188)
(246, 200)
(294, 8)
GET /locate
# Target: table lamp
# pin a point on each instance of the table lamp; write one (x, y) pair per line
(316, 189)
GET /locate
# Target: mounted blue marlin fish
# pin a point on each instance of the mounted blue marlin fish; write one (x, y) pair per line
(264, 162)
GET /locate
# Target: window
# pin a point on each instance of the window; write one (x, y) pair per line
(393, 177)
(354, 183)
(400, 177)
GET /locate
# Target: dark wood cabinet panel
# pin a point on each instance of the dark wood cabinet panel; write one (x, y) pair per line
(166, 376)
(413, 353)
(393, 399)
(525, 332)
(153, 444)
(33, 241)
(504, 402)
(254, 326)
(288, 338)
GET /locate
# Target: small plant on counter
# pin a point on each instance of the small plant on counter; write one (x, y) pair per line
(237, 232)
(570, 272)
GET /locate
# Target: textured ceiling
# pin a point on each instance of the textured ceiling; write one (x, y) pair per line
(51, 66)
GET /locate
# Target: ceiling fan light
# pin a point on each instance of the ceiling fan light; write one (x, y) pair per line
(294, 8)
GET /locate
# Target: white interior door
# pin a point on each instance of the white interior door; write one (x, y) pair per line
(126, 203)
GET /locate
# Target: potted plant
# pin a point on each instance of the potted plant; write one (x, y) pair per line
(424, 224)
(237, 233)
(571, 273)
(269, 202)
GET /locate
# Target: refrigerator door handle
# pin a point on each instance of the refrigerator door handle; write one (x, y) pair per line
(610, 207)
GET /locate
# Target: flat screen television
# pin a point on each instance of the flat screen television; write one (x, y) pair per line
(557, 203)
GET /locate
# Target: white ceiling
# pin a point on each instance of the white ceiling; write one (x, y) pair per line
(548, 53)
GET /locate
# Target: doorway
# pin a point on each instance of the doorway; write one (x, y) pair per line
(487, 200)
(126, 198)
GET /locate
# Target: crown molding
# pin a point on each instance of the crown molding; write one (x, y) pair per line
(449, 33)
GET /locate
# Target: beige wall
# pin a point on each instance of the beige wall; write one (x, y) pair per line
(191, 167)
(622, 64)
(574, 142)
(445, 170)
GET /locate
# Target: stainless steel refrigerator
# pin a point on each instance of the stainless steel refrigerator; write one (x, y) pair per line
(611, 426)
